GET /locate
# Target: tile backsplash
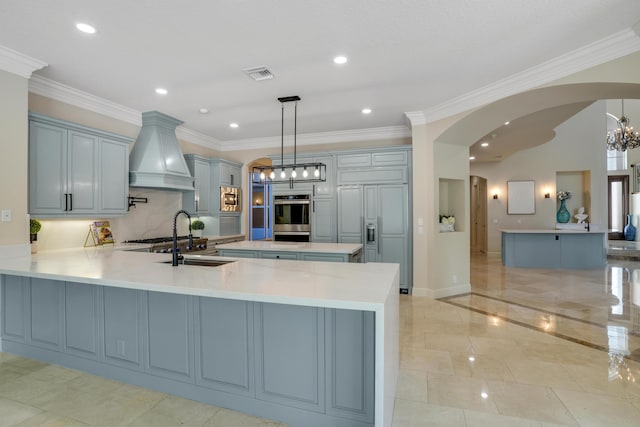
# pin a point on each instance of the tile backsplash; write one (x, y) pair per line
(152, 219)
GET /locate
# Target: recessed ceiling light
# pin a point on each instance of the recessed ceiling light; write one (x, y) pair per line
(340, 59)
(203, 110)
(484, 395)
(161, 91)
(506, 123)
(366, 111)
(472, 157)
(233, 125)
(484, 144)
(85, 28)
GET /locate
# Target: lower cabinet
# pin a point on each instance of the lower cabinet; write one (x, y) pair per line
(302, 365)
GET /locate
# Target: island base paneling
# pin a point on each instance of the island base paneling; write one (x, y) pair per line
(306, 366)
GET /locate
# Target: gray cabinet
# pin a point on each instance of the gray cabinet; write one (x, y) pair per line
(297, 333)
(45, 313)
(75, 170)
(122, 343)
(350, 364)
(226, 172)
(279, 255)
(224, 345)
(81, 320)
(199, 200)
(168, 327)
(304, 365)
(378, 217)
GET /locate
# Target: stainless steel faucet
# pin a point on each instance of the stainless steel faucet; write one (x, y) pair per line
(175, 254)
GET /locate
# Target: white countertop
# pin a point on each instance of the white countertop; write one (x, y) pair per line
(261, 245)
(319, 284)
(551, 231)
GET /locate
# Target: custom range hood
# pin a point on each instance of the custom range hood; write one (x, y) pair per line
(156, 160)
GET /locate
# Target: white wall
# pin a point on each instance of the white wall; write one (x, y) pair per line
(578, 146)
(14, 234)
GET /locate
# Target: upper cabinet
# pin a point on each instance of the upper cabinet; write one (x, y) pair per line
(199, 200)
(75, 170)
(228, 172)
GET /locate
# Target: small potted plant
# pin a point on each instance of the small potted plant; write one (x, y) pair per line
(34, 227)
(197, 226)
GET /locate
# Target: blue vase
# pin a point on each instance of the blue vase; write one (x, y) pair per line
(563, 215)
(629, 229)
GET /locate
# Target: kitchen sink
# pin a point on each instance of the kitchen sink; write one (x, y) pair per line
(200, 262)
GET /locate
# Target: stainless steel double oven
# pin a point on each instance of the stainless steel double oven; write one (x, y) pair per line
(292, 218)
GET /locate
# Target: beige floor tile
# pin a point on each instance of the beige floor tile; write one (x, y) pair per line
(426, 360)
(447, 342)
(483, 419)
(488, 367)
(226, 417)
(418, 414)
(176, 411)
(12, 413)
(598, 410)
(460, 392)
(28, 390)
(530, 402)
(412, 385)
(541, 373)
(47, 419)
(595, 379)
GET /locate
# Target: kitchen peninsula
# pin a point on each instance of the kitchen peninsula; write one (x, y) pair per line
(565, 248)
(306, 343)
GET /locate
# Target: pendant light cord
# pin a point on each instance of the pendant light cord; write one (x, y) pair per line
(282, 137)
(295, 130)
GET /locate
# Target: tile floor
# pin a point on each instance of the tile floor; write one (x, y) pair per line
(524, 348)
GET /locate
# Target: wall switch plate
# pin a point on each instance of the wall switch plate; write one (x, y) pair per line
(6, 215)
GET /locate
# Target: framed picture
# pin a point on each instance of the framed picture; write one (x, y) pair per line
(101, 233)
(521, 198)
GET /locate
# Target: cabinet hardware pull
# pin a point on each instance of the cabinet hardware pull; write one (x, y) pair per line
(66, 202)
(70, 201)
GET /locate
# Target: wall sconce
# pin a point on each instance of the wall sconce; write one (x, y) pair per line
(547, 195)
(495, 196)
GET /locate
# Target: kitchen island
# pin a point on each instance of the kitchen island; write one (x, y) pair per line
(306, 343)
(305, 251)
(566, 248)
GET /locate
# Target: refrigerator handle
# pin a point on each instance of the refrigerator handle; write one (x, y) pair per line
(363, 239)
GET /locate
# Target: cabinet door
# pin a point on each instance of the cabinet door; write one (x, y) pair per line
(202, 175)
(225, 174)
(81, 319)
(323, 216)
(46, 301)
(350, 364)
(393, 226)
(14, 307)
(229, 225)
(290, 355)
(278, 255)
(168, 340)
(47, 169)
(122, 343)
(224, 345)
(113, 184)
(82, 173)
(350, 220)
(235, 176)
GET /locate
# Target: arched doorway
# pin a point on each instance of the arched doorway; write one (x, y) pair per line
(260, 200)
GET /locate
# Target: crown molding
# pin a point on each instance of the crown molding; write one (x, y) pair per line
(335, 137)
(63, 93)
(620, 44)
(416, 118)
(18, 63)
(198, 138)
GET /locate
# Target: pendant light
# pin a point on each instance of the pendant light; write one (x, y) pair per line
(289, 173)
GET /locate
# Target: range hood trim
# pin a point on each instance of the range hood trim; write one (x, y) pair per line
(156, 160)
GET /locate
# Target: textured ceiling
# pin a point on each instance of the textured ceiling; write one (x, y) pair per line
(404, 55)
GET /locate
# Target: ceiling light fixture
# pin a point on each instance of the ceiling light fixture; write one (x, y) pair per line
(161, 91)
(340, 60)
(484, 144)
(85, 28)
(366, 111)
(624, 137)
(204, 111)
(472, 157)
(506, 123)
(233, 125)
(267, 174)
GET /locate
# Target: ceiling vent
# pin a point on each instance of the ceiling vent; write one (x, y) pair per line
(259, 73)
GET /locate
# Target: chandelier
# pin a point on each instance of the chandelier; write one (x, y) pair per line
(624, 137)
(291, 172)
